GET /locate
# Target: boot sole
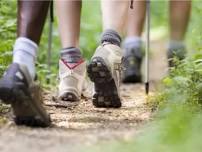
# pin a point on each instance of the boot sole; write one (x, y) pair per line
(69, 97)
(21, 100)
(106, 95)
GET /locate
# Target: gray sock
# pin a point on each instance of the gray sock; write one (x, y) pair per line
(71, 55)
(133, 41)
(111, 36)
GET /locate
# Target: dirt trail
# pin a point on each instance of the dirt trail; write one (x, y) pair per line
(84, 124)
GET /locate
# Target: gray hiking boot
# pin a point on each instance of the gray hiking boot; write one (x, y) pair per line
(104, 70)
(175, 54)
(132, 65)
(72, 78)
(18, 89)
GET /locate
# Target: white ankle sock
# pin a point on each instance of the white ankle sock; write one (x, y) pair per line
(24, 52)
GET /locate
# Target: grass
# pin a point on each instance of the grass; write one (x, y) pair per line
(7, 33)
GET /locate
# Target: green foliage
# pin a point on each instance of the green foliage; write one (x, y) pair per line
(194, 36)
(90, 27)
(7, 32)
(159, 13)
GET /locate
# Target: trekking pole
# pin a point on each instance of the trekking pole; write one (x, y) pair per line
(147, 46)
(51, 19)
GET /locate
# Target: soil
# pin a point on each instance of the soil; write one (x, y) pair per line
(77, 126)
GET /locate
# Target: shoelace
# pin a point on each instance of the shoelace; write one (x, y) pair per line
(119, 68)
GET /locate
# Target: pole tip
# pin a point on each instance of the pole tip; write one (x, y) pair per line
(147, 88)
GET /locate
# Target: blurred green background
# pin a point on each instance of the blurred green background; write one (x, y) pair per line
(91, 28)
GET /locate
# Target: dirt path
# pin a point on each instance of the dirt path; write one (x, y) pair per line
(84, 124)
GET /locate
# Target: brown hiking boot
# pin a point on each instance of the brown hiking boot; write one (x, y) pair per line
(104, 70)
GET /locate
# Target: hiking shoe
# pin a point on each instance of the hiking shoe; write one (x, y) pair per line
(18, 89)
(104, 70)
(72, 76)
(175, 55)
(132, 65)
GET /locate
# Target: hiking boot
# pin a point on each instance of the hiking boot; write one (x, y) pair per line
(72, 76)
(104, 70)
(18, 89)
(175, 55)
(132, 65)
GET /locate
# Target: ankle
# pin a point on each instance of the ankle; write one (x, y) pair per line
(24, 53)
(133, 42)
(71, 55)
(111, 36)
(176, 48)
(133, 46)
(175, 45)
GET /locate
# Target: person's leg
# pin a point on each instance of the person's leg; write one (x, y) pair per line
(114, 14)
(68, 14)
(136, 19)
(133, 43)
(31, 19)
(71, 61)
(17, 86)
(179, 19)
(104, 67)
